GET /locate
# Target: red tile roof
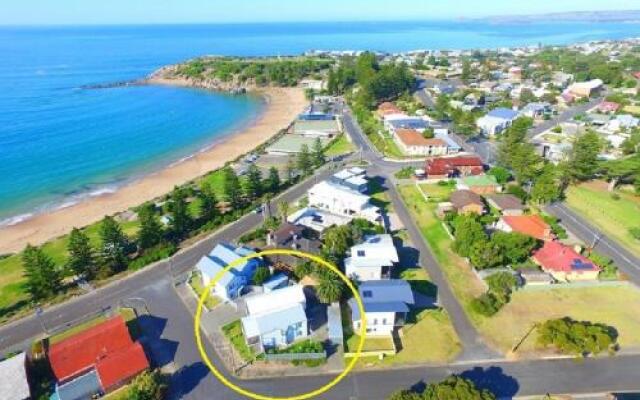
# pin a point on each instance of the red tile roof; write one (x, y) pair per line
(103, 347)
(122, 365)
(411, 137)
(531, 225)
(556, 257)
(387, 108)
(446, 166)
(608, 106)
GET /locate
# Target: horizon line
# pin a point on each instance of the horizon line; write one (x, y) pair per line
(307, 21)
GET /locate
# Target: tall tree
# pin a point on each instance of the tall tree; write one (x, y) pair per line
(253, 184)
(114, 245)
(290, 168)
(456, 387)
(305, 163)
(546, 188)
(583, 160)
(150, 233)
(82, 260)
(208, 204)
(283, 208)
(331, 288)
(273, 180)
(468, 231)
(42, 276)
(232, 188)
(181, 221)
(318, 153)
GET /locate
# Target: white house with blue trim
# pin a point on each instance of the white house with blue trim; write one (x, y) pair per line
(496, 121)
(372, 259)
(231, 284)
(386, 305)
(277, 318)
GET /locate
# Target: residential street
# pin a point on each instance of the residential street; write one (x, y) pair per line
(170, 324)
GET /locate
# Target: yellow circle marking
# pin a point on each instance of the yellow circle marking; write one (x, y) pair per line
(257, 396)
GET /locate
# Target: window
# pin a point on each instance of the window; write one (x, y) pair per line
(367, 294)
(361, 253)
(384, 321)
(375, 321)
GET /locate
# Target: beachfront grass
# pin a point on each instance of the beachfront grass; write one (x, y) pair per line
(464, 283)
(13, 295)
(617, 306)
(339, 146)
(233, 333)
(614, 216)
(196, 284)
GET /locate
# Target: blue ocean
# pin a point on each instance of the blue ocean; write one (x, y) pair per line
(60, 142)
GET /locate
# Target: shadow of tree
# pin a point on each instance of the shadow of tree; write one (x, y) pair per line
(495, 380)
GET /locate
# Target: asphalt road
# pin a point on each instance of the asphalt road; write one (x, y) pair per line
(589, 234)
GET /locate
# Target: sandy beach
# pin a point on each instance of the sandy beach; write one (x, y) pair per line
(283, 104)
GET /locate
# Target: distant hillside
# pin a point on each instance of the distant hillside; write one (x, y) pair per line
(578, 16)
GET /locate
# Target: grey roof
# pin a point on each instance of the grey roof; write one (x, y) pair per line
(505, 202)
(279, 320)
(392, 295)
(409, 123)
(13, 379)
(81, 388)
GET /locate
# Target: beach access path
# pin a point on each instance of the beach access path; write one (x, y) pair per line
(282, 107)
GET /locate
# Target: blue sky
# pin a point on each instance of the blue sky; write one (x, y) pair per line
(20, 12)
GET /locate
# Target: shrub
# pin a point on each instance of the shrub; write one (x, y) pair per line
(261, 275)
(577, 337)
(405, 173)
(635, 232)
(157, 253)
(486, 304)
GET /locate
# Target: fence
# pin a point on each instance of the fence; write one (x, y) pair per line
(577, 285)
(295, 356)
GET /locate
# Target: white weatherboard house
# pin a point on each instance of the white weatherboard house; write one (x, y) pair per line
(386, 305)
(13, 379)
(496, 121)
(341, 200)
(372, 259)
(232, 283)
(276, 319)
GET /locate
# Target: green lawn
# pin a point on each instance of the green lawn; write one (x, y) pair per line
(339, 146)
(379, 196)
(13, 296)
(386, 145)
(614, 217)
(436, 192)
(233, 332)
(196, 284)
(464, 283)
(615, 306)
(370, 344)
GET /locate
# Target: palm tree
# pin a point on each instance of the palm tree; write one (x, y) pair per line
(283, 207)
(330, 289)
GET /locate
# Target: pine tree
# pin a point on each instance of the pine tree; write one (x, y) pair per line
(290, 168)
(253, 185)
(151, 232)
(305, 163)
(546, 188)
(82, 260)
(232, 188)
(318, 153)
(208, 204)
(181, 221)
(43, 278)
(583, 162)
(115, 245)
(273, 181)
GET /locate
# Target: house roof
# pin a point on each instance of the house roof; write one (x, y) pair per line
(374, 251)
(531, 225)
(480, 180)
(285, 233)
(556, 257)
(81, 388)
(503, 113)
(275, 300)
(462, 198)
(388, 108)
(220, 257)
(608, 106)
(104, 347)
(260, 324)
(505, 202)
(411, 137)
(292, 143)
(392, 295)
(408, 123)
(444, 166)
(13, 378)
(316, 125)
(122, 365)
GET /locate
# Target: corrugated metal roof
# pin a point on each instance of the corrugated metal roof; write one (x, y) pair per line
(81, 388)
(13, 378)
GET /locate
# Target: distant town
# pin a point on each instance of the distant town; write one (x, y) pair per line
(484, 203)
